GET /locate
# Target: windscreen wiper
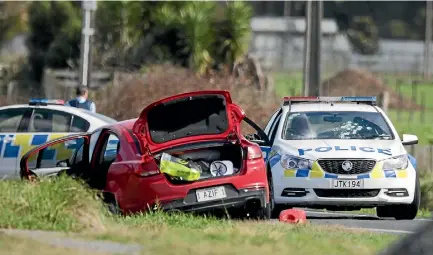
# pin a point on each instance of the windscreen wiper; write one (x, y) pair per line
(383, 136)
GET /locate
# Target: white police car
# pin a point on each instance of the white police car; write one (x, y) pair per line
(340, 153)
(23, 127)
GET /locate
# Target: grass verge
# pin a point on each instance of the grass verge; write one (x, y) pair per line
(64, 205)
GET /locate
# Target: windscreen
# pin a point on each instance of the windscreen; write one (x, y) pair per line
(186, 117)
(336, 125)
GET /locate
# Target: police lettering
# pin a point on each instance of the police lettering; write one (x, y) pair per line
(345, 148)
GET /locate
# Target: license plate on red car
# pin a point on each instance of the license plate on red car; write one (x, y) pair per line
(210, 194)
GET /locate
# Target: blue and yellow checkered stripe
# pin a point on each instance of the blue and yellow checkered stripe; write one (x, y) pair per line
(22, 143)
(317, 172)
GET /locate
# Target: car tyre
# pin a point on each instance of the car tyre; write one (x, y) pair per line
(262, 213)
(403, 212)
(112, 205)
(409, 212)
(275, 208)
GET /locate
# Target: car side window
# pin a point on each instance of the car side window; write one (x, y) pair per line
(271, 122)
(79, 155)
(10, 119)
(47, 120)
(111, 148)
(93, 139)
(79, 124)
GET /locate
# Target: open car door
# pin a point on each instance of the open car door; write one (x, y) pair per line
(68, 154)
(260, 138)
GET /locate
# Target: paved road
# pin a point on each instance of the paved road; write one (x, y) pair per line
(367, 222)
(57, 239)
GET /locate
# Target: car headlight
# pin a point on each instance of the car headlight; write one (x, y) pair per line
(292, 162)
(396, 163)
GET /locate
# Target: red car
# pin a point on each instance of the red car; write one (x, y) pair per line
(200, 130)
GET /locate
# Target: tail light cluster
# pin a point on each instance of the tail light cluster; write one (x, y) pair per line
(254, 152)
(147, 167)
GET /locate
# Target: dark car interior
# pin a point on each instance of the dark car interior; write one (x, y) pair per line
(190, 116)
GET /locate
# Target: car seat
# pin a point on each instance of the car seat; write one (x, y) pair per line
(40, 124)
(300, 126)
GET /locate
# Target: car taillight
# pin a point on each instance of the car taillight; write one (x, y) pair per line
(254, 152)
(147, 168)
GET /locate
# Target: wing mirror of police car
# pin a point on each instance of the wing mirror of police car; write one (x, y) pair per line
(63, 163)
(409, 139)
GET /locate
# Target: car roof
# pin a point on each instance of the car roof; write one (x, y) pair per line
(128, 124)
(63, 108)
(349, 107)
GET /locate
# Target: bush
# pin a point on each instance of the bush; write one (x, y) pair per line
(128, 100)
(426, 180)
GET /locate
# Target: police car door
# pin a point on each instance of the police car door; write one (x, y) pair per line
(44, 125)
(270, 131)
(13, 121)
(260, 138)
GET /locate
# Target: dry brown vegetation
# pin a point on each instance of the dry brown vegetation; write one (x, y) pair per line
(126, 100)
(356, 82)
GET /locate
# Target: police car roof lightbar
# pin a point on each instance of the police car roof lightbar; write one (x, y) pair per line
(361, 99)
(37, 101)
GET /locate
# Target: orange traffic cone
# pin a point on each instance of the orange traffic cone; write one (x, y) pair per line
(293, 216)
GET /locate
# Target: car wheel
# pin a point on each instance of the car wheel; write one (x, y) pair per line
(403, 212)
(409, 212)
(275, 208)
(384, 211)
(262, 213)
(112, 205)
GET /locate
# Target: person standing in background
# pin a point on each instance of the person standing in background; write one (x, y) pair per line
(82, 101)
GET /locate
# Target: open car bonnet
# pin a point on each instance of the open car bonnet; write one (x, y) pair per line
(183, 118)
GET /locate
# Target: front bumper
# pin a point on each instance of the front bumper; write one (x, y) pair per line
(235, 199)
(306, 191)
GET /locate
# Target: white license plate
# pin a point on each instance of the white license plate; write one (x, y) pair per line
(210, 194)
(347, 184)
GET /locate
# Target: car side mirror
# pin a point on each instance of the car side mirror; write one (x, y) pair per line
(409, 139)
(63, 163)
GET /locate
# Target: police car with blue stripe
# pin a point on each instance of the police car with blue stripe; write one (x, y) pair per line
(23, 127)
(339, 153)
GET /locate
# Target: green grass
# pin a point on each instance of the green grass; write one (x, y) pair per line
(64, 205)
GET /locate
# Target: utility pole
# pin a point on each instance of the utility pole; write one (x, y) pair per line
(428, 35)
(287, 8)
(88, 10)
(313, 32)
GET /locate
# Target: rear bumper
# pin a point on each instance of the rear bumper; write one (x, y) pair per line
(235, 199)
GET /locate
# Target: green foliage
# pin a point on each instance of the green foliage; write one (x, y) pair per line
(12, 20)
(426, 190)
(54, 36)
(364, 35)
(233, 32)
(187, 32)
(398, 28)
